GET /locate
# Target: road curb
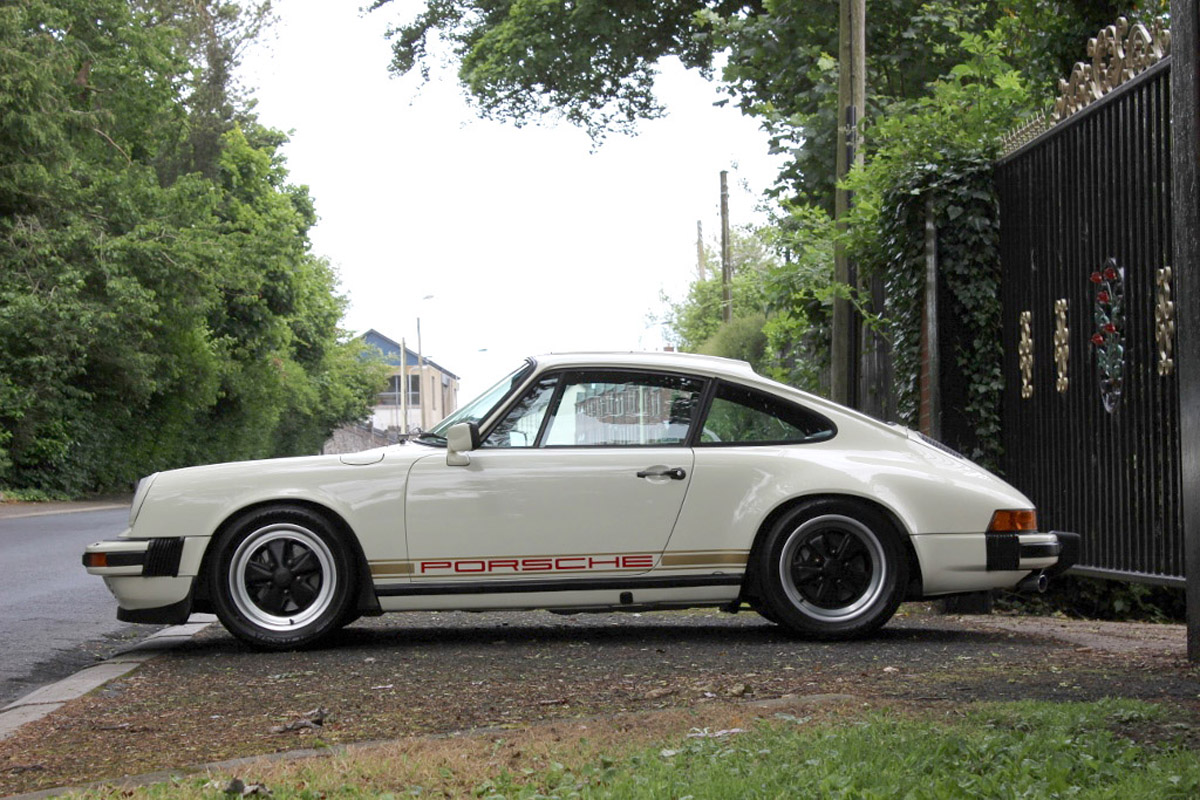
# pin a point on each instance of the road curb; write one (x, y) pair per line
(48, 699)
(27, 510)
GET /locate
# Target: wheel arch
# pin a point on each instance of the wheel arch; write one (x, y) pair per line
(366, 601)
(915, 581)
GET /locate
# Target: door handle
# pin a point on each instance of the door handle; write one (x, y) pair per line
(674, 473)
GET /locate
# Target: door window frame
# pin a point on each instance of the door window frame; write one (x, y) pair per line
(574, 375)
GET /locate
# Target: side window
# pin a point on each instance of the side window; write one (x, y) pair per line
(599, 409)
(744, 416)
(521, 424)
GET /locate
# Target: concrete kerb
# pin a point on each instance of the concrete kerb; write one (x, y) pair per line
(14, 510)
(48, 699)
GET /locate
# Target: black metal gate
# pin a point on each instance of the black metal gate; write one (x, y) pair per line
(1091, 405)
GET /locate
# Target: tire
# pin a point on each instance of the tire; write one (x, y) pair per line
(832, 569)
(282, 579)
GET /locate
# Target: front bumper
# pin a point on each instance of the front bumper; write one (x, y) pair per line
(150, 558)
(151, 579)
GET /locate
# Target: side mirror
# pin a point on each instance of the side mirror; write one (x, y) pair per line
(461, 439)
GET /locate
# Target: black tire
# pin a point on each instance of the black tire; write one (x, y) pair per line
(282, 579)
(832, 569)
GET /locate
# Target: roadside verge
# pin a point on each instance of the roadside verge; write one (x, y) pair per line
(49, 699)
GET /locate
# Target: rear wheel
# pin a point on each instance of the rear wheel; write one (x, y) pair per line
(832, 569)
(282, 579)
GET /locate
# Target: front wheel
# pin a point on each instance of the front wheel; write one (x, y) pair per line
(832, 569)
(282, 579)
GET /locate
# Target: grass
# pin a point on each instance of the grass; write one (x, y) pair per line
(1109, 749)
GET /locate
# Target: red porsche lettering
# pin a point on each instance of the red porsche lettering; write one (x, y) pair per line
(477, 566)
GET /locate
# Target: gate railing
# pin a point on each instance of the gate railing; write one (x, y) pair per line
(1091, 405)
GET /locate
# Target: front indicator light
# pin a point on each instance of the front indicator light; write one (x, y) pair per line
(95, 559)
(1013, 521)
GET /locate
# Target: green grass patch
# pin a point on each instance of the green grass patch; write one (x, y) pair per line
(1002, 751)
(1110, 749)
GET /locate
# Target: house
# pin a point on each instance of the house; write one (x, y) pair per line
(417, 386)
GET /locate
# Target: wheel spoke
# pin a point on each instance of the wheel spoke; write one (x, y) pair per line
(276, 552)
(820, 545)
(274, 600)
(303, 593)
(826, 591)
(257, 573)
(305, 564)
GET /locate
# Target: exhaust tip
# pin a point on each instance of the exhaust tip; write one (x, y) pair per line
(1037, 582)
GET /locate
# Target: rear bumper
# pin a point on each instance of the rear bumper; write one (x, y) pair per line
(1054, 552)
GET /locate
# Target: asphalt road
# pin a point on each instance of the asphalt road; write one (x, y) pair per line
(55, 618)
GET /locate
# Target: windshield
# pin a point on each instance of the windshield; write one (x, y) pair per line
(480, 407)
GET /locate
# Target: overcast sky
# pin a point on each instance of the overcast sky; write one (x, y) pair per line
(526, 239)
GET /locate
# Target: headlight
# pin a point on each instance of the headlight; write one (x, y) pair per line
(139, 497)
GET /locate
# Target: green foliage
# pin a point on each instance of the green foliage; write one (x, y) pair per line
(1028, 749)
(935, 154)
(155, 310)
(780, 296)
(1096, 598)
(741, 338)
(800, 292)
(695, 319)
(593, 61)
(783, 69)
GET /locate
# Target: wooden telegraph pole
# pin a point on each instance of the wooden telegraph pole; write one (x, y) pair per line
(852, 91)
(726, 261)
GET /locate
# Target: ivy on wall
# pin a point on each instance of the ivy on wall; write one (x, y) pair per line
(966, 215)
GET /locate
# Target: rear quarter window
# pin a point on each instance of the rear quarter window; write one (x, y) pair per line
(740, 416)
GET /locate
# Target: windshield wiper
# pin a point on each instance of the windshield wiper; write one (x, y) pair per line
(429, 437)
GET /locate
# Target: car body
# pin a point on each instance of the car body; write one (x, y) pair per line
(585, 482)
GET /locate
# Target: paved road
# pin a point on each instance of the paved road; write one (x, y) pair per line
(54, 617)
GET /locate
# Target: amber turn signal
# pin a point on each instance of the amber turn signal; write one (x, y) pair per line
(1013, 520)
(96, 560)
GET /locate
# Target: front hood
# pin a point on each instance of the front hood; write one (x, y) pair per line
(394, 454)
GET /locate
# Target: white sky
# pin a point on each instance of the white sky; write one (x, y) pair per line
(527, 240)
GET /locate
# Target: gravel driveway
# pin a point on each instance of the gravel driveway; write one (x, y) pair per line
(437, 673)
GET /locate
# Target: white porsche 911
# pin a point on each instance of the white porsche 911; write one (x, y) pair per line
(585, 483)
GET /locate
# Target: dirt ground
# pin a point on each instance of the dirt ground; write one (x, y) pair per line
(437, 673)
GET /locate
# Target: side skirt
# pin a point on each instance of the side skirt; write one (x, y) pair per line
(568, 585)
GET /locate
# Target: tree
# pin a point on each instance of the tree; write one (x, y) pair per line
(594, 61)
(781, 293)
(156, 308)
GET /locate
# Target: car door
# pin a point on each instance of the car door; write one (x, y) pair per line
(583, 477)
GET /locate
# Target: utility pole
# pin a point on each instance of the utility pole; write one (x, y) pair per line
(421, 398)
(852, 90)
(403, 388)
(726, 265)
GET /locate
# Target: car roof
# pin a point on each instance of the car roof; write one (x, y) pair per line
(689, 362)
(709, 366)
